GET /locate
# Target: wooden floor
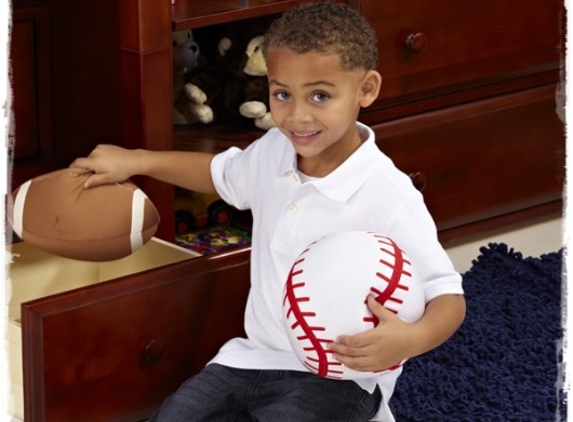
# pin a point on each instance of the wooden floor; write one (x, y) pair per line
(532, 238)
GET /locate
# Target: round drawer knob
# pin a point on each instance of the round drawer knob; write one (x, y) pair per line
(416, 43)
(154, 350)
(419, 180)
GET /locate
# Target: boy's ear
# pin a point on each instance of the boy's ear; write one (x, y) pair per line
(370, 87)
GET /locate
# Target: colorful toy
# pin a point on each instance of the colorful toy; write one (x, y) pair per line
(214, 239)
(325, 295)
(194, 210)
(55, 213)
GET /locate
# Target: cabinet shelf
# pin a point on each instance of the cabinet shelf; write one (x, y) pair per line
(188, 14)
(212, 139)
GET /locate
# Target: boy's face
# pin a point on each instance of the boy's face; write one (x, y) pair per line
(315, 103)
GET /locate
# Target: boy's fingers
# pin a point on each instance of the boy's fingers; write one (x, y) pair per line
(96, 180)
(382, 313)
(81, 163)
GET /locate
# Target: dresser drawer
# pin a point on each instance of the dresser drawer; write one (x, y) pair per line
(126, 335)
(434, 47)
(484, 159)
(38, 275)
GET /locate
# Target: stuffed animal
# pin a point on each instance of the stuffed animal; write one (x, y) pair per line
(185, 59)
(232, 89)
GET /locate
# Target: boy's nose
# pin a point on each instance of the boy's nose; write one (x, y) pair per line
(299, 113)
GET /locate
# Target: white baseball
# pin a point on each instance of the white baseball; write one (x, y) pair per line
(326, 290)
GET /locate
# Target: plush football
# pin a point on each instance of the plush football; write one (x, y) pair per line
(55, 213)
(326, 290)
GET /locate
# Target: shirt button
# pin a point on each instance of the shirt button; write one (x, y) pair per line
(292, 208)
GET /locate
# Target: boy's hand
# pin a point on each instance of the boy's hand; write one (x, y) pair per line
(108, 164)
(380, 348)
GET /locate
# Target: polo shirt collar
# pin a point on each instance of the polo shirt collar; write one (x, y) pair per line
(347, 178)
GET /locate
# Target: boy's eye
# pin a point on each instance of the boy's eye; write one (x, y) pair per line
(282, 96)
(320, 97)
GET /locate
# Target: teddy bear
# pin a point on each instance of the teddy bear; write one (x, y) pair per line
(186, 58)
(232, 89)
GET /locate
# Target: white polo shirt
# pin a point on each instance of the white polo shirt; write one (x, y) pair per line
(366, 192)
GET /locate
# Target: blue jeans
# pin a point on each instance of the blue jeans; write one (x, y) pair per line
(223, 394)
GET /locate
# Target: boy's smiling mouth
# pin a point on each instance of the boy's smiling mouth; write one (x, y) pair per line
(304, 138)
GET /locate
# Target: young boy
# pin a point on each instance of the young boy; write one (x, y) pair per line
(318, 172)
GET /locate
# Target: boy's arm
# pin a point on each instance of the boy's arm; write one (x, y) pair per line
(394, 340)
(111, 164)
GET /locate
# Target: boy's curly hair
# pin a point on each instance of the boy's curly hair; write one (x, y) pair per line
(326, 28)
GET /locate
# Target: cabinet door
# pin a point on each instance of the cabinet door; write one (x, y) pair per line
(484, 159)
(113, 351)
(30, 78)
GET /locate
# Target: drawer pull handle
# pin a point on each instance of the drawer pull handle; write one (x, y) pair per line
(416, 43)
(419, 180)
(154, 350)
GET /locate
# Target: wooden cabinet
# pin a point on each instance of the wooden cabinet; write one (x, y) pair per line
(434, 56)
(110, 341)
(470, 107)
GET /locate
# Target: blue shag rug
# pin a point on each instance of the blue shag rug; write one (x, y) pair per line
(504, 363)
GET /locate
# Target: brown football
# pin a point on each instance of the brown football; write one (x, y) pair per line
(55, 213)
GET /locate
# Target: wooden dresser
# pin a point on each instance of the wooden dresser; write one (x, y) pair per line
(471, 107)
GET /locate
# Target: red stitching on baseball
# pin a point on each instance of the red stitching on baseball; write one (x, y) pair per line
(309, 331)
(398, 271)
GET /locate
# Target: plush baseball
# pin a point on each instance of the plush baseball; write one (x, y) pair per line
(326, 290)
(55, 213)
